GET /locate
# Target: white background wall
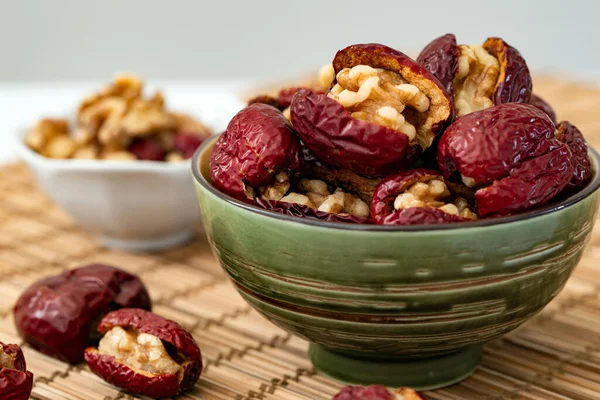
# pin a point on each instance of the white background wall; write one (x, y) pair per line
(89, 40)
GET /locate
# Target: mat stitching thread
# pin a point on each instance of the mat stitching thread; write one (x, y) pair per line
(548, 375)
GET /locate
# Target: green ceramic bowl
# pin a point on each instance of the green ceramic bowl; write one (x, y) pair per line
(400, 306)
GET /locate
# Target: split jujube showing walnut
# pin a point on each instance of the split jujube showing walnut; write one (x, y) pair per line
(417, 196)
(311, 198)
(376, 392)
(478, 76)
(145, 354)
(382, 111)
(509, 154)
(258, 144)
(56, 315)
(15, 381)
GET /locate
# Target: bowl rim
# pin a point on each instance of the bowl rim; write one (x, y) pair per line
(591, 187)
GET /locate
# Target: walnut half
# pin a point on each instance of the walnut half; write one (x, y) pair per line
(433, 193)
(379, 96)
(476, 80)
(140, 351)
(315, 194)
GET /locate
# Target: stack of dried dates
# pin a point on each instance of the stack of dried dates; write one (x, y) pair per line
(455, 136)
(66, 315)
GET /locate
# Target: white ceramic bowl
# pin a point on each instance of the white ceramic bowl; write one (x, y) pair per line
(134, 206)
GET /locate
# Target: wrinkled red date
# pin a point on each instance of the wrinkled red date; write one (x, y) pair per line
(302, 211)
(259, 143)
(376, 392)
(184, 348)
(540, 103)
(186, 143)
(266, 99)
(331, 133)
(582, 166)
(364, 147)
(286, 95)
(514, 82)
(147, 149)
(15, 381)
(382, 205)
(56, 315)
(513, 149)
(440, 57)
(283, 99)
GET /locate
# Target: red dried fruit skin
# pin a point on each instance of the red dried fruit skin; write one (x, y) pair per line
(186, 143)
(286, 95)
(376, 392)
(147, 149)
(582, 166)
(440, 57)
(56, 315)
(386, 192)
(382, 205)
(266, 99)
(302, 211)
(514, 83)
(532, 184)
(373, 392)
(145, 383)
(334, 136)
(259, 143)
(420, 216)
(331, 133)
(512, 144)
(540, 103)
(15, 383)
(487, 144)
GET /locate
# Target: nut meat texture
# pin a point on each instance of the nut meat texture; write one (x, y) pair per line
(145, 354)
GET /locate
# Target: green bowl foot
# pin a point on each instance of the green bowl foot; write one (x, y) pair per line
(417, 373)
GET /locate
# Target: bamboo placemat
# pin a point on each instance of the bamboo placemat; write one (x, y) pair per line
(554, 356)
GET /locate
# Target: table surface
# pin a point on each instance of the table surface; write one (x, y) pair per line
(555, 356)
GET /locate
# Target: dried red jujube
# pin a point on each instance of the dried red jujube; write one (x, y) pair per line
(440, 57)
(540, 103)
(382, 111)
(186, 143)
(418, 196)
(582, 165)
(287, 94)
(15, 381)
(376, 392)
(57, 315)
(478, 76)
(148, 149)
(510, 154)
(268, 100)
(258, 144)
(146, 354)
